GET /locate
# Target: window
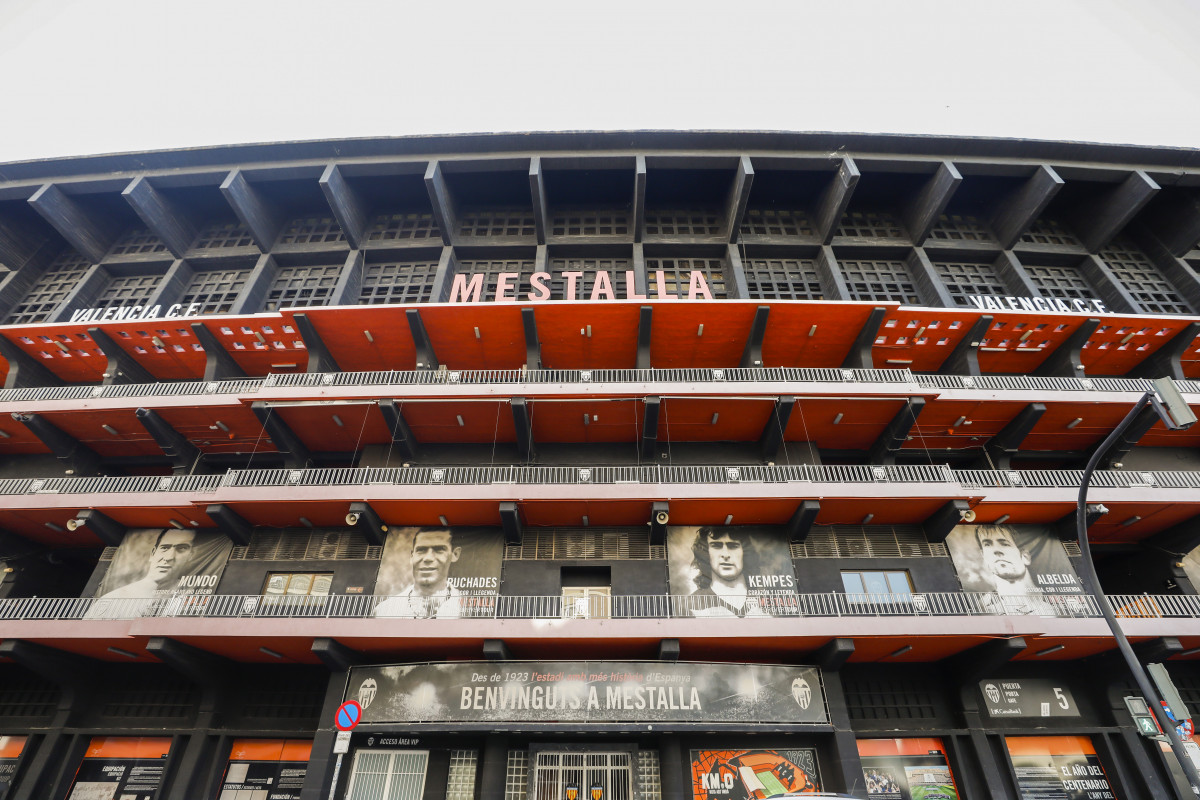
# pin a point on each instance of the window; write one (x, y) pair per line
(587, 602)
(298, 584)
(865, 587)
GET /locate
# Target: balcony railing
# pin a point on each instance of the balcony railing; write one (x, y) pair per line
(832, 604)
(517, 377)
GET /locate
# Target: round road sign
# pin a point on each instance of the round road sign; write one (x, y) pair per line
(348, 715)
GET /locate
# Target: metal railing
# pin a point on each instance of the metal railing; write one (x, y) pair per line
(832, 604)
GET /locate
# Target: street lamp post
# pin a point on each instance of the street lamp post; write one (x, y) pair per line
(1175, 414)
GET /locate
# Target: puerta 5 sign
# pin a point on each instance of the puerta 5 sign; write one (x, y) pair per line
(588, 691)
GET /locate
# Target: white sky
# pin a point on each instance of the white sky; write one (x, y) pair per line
(94, 76)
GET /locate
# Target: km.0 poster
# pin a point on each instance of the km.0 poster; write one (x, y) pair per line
(266, 769)
(752, 774)
(587, 691)
(121, 769)
(161, 562)
(439, 572)
(731, 571)
(1025, 567)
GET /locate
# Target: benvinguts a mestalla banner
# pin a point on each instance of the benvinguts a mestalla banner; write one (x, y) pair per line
(588, 691)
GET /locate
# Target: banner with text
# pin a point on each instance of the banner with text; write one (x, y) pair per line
(588, 691)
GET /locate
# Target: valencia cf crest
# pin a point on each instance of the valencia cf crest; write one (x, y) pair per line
(572, 793)
(597, 791)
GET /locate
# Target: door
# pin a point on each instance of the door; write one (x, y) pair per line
(589, 776)
(388, 775)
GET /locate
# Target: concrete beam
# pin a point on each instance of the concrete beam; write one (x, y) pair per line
(259, 215)
(164, 218)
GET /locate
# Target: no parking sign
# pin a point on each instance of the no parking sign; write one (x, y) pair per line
(347, 716)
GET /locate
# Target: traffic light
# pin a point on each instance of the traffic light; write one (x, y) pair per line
(1143, 718)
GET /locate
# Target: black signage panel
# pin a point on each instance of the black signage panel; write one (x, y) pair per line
(275, 780)
(588, 691)
(1027, 697)
(1058, 777)
(127, 779)
(8, 768)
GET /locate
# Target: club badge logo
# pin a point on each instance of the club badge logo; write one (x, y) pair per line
(366, 692)
(801, 693)
(992, 693)
(572, 793)
(597, 791)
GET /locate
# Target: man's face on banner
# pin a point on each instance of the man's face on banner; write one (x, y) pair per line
(726, 556)
(171, 555)
(433, 553)
(1001, 556)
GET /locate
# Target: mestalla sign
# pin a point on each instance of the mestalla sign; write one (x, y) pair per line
(588, 691)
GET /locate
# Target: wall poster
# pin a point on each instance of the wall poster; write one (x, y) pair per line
(1023, 569)
(753, 774)
(266, 769)
(11, 748)
(121, 768)
(1065, 767)
(439, 572)
(906, 769)
(156, 563)
(587, 691)
(735, 571)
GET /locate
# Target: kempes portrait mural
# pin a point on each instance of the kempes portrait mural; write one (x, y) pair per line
(165, 562)
(1024, 567)
(730, 571)
(439, 572)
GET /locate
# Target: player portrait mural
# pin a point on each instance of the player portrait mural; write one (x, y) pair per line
(753, 774)
(165, 562)
(1024, 567)
(740, 571)
(439, 573)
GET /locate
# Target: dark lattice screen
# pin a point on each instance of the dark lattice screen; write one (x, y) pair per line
(302, 286)
(497, 222)
(312, 230)
(1049, 231)
(286, 545)
(594, 223)
(677, 275)
(682, 222)
(867, 541)
(1138, 275)
(27, 697)
(886, 281)
(220, 235)
(492, 269)
(398, 282)
(149, 696)
(585, 543)
(281, 694)
(963, 279)
(616, 268)
(48, 292)
(390, 227)
(889, 698)
(1065, 282)
(128, 290)
(215, 291)
(960, 228)
(137, 241)
(783, 279)
(776, 222)
(871, 225)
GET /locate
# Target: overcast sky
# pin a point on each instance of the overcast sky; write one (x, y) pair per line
(94, 76)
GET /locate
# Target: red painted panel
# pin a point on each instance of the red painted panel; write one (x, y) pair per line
(563, 332)
(936, 427)
(790, 340)
(361, 424)
(484, 421)
(1107, 352)
(690, 420)
(261, 344)
(676, 341)
(920, 339)
(862, 421)
(501, 341)
(563, 421)
(344, 332)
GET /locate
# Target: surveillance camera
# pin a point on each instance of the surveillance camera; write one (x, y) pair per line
(74, 524)
(661, 517)
(352, 518)
(968, 515)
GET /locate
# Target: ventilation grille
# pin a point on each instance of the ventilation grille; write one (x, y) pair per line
(408, 282)
(1072, 549)
(215, 291)
(138, 241)
(880, 281)
(783, 279)
(499, 222)
(390, 227)
(686, 222)
(219, 235)
(307, 546)
(872, 541)
(1062, 282)
(584, 543)
(312, 230)
(965, 279)
(48, 292)
(889, 699)
(131, 290)
(677, 275)
(960, 228)
(302, 286)
(1150, 289)
(281, 697)
(598, 223)
(109, 554)
(155, 698)
(776, 222)
(1049, 231)
(871, 225)
(27, 698)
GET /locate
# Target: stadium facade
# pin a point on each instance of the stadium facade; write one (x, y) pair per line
(700, 466)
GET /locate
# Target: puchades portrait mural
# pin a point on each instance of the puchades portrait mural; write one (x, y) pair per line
(740, 571)
(1022, 569)
(164, 562)
(439, 573)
